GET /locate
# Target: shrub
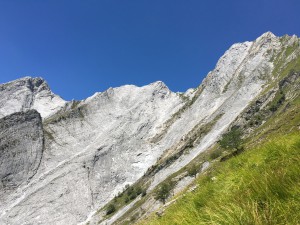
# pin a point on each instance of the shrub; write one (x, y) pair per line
(138, 190)
(193, 170)
(163, 192)
(144, 192)
(126, 200)
(215, 153)
(130, 191)
(278, 101)
(133, 195)
(111, 208)
(232, 139)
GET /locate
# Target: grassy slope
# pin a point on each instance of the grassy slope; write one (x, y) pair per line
(260, 186)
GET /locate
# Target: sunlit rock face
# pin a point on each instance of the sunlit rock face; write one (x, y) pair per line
(82, 153)
(28, 93)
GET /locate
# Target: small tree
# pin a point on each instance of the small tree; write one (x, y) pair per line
(138, 190)
(193, 170)
(132, 196)
(163, 192)
(130, 191)
(126, 199)
(110, 209)
(144, 192)
(215, 153)
(232, 139)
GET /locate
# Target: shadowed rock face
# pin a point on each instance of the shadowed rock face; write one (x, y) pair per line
(21, 148)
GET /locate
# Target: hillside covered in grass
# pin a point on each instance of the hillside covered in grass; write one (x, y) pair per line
(260, 186)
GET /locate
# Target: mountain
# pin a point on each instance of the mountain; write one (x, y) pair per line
(65, 165)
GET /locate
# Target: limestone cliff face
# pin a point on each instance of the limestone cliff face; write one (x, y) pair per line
(94, 147)
(21, 148)
(238, 78)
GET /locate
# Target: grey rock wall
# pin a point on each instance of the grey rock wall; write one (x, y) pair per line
(21, 148)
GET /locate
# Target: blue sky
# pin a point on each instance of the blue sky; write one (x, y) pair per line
(84, 46)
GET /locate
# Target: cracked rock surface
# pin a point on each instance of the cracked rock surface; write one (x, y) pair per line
(21, 148)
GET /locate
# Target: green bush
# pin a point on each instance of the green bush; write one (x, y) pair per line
(138, 190)
(232, 139)
(278, 101)
(164, 190)
(132, 192)
(192, 171)
(144, 192)
(215, 153)
(126, 199)
(132, 196)
(111, 208)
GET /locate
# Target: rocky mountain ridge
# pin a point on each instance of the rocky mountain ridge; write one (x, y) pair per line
(28, 93)
(93, 148)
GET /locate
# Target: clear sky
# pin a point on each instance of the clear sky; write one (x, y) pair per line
(84, 46)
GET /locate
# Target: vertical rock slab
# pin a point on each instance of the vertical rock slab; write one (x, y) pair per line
(21, 148)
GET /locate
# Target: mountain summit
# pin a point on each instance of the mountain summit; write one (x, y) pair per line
(28, 93)
(82, 154)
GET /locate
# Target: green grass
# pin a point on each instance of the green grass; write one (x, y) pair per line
(290, 49)
(284, 70)
(260, 186)
(128, 195)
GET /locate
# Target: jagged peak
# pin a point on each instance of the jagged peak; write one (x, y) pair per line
(290, 36)
(267, 34)
(153, 87)
(27, 78)
(158, 85)
(32, 83)
(287, 40)
(267, 37)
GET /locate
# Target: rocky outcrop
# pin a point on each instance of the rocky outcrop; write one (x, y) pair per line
(28, 93)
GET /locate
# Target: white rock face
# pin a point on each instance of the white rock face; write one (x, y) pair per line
(28, 93)
(93, 148)
(91, 151)
(237, 79)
